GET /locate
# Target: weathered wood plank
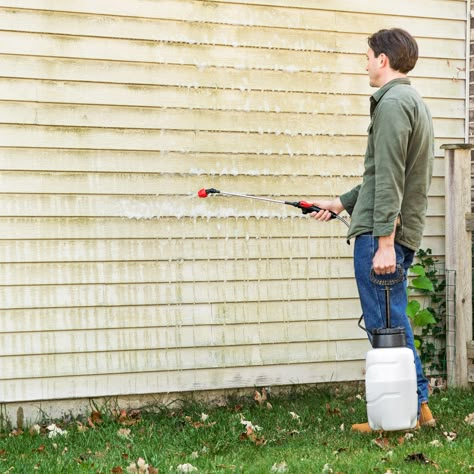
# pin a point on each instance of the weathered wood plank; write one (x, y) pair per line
(470, 222)
(458, 252)
(470, 349)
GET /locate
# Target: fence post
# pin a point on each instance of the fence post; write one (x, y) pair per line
(457, 159)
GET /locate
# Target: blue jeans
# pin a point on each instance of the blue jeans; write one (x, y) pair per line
(372, 298)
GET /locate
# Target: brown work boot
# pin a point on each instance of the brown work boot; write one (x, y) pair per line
(365, 428)
(426, 417)
(362, 427)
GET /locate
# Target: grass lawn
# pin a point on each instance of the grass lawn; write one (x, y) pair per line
(300, 431)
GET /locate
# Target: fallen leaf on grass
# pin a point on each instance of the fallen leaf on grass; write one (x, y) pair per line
(450, 435)
(117, 470)
(129, 418)
(259, 440)
(35, 430)
(382, 442)
(469, 419)
(261, 399)
(95, 419)
(141, 467)
(436, 443)
(81, 427)
(332, 411)
(199, 424)
(124, 433)
(40, 449)
(55, 430)
(420, 458)
(280, 467)
(186, 468)
(294, 415)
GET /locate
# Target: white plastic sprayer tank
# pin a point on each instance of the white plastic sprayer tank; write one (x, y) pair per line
(390, 387)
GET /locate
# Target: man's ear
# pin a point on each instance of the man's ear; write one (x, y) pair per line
(383, 60)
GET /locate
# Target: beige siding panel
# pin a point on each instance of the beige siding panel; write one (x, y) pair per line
(116, 278)
(349, 19)
(168, 98)
(165, 293)
(63, 365)
(30, 228)
(42, 136)
(434, 9)
(204, 57)
(195, 77)
(182, 337)
(204, 166)
(245, 247)
(137, 184)
(191, 33)
(161, 184)
(172, 140)
(178, 381)
(174, 248)
(146, 207)
(287, 124)
(156, 271)
(156, 316)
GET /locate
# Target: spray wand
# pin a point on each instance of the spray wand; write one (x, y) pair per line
(306, 207)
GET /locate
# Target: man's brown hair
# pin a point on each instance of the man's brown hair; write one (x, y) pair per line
(398, 45)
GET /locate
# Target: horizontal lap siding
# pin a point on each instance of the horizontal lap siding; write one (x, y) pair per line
(116, 279)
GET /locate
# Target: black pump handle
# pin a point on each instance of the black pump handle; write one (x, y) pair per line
(379, 280)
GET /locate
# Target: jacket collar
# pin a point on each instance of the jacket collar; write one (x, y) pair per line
(375, 98)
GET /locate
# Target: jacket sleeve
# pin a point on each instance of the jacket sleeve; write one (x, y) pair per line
(349, 199)
(392, 129)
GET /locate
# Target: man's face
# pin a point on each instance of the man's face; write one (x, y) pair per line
(373, 68)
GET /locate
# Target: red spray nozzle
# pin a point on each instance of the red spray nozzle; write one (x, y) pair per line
(203, 193)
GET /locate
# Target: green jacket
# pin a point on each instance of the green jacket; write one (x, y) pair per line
(398, 167)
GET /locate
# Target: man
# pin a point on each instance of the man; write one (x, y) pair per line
(388, 208)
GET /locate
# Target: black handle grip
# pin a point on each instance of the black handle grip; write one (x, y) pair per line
(307, 207)
(382, 280)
